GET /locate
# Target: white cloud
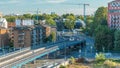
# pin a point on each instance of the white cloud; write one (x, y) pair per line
(55, 1)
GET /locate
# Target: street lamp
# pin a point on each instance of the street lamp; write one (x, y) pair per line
(79, 53)
(103, 49)
(64, 52)
(91, 49)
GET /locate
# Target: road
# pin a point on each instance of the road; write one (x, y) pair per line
(30, 55)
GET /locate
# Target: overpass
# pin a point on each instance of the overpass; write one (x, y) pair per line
(16, 60)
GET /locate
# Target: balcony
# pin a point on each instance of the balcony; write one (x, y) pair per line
(22, 43)
(21, 38)
(21, 33)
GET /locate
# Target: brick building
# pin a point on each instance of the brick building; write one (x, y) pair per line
(25, 36)
(46, 30)
(4, 38)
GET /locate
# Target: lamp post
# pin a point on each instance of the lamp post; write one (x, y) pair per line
(91, 49)
(79, 53)
(103, 49)
(64, 53)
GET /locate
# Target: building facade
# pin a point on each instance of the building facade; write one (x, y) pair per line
(25, 36)
(114, 14)
(46, 31)
(0, 15)
(4, 37)
(3, 23)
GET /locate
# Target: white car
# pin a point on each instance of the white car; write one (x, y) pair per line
(71, 39)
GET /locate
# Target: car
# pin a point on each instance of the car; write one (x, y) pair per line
(71, 39)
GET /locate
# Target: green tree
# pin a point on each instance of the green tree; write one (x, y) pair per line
(101, 15)
(117, 40)
(53, 36)
(70, 22)
(100, 18)
(51, 22)
(10, 18)
(27, 16)
(103, 38)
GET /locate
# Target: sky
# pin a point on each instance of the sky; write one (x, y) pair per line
(48, 6)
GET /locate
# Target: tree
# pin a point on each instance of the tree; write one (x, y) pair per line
(70, 22)
(27, 16)
(117, 40)
(103, 38)
(100, 18)
(53, 36)
(10, 18)
(101, 15)
(51, 22)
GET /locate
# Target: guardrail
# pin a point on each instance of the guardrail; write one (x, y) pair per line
(32, 56)
(26, 59)
(14, 53)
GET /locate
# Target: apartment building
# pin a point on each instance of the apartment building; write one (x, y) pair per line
(4, 37)
(0, 15)
(26, 36)
(46, 31)
(3, 23)
(114, 14)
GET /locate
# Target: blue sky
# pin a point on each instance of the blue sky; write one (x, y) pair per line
(48, 6)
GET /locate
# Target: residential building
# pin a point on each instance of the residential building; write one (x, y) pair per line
(10, 27)
(114, 14)
(0, 15)
(4, 38)
(27, 22)
(3, 23)
(11, 24)
(46, 31)
(26, 36)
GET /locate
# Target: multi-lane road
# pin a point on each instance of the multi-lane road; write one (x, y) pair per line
(29, 55)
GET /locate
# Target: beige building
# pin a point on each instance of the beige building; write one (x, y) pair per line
(0, 15)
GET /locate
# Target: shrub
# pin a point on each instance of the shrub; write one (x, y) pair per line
(110, 63)
(72, 60)
(100, 57)
(61, 66)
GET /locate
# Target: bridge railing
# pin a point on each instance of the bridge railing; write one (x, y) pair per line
(14, 64)
(14, 53)
(48, 49)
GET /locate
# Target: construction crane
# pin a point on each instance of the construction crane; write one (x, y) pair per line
(37, 13)
(84, 8)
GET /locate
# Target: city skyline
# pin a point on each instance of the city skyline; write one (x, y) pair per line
(48, 6)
